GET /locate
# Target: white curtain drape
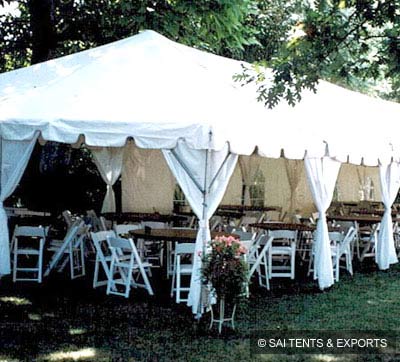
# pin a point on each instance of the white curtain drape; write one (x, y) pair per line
(203, 177)
(249, 165)
(109, 163)
(14, 158)
(321, 175)
(390, 182)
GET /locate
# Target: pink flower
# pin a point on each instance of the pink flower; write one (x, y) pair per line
(199, 253)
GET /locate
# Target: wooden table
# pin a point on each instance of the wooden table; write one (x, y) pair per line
(178, 235)
(142, 216)
(244, 208)
(282, 226)
(362, 219)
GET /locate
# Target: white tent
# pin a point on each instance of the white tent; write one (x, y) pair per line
(171, 97)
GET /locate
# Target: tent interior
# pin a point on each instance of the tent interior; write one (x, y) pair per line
(191, 123)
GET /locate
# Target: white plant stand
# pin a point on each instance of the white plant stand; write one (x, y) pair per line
(220, 320)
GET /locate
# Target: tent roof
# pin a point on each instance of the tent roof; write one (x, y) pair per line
(158, 91)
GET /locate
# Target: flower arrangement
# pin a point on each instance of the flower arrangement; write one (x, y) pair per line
(224, 267)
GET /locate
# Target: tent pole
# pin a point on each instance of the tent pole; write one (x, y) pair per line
(219, 171)
(1, 161)
(203, 218)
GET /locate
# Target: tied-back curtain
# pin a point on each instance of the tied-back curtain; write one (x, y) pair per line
(390, 182)
(197, 171)
(14, 158)
(249, 165)
(321, 175)
(109, 163)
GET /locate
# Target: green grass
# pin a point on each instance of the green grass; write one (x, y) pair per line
(64, 320)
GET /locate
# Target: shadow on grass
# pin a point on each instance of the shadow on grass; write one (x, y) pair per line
(63, 320)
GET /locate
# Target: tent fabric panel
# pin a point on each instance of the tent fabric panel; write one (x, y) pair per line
(147, 182)
(351, 180)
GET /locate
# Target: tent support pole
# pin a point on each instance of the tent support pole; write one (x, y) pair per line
(1, 161)
(204, 217)
(219, 170)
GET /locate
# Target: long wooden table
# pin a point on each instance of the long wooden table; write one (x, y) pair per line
(178, 235)
(364, 219)
(282, 226)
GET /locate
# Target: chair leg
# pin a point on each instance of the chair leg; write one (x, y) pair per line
(173, 279)
(40, 262)
(178, 283)
(266, 273)
(128, 283)
(310, 263)
(293, 264)
(96, 272)
(15, 265)
(269, 265)
(337, 267)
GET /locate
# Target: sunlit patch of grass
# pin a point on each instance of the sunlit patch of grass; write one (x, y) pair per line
(77, 331)
(15, 300)
(8, 360)
(34, 317)
(328, 358)
(72, 355)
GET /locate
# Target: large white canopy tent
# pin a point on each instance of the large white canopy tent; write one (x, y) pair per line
(183, 101)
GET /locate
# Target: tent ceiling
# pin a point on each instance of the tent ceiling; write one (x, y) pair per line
(158, 91)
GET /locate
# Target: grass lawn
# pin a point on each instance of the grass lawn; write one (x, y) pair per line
(63, 320)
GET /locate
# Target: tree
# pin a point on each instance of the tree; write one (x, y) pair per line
(351, 42)
(50, 28)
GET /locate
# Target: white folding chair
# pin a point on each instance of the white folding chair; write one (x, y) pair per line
(335, 237)
(396, 237)
(125, 261)
(343, 249)
(123, 230)
(103, 255)
(170, 252)
(27, 246)
(181, 269)
(70, 250)
(258, 260)
(96, 223)
(104, 223)
(245, 221)
(216, 223)
(68, 218)
(245, 235)
(154, 250)
(367, 241)
(283, 251)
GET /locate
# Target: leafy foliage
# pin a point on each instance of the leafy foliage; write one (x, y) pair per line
(354, 43)
(214, 25)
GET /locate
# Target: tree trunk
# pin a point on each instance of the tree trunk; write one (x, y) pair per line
(43, 30)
